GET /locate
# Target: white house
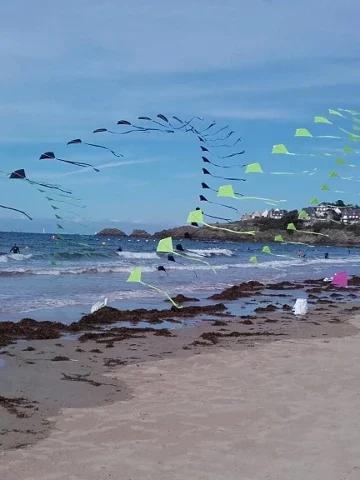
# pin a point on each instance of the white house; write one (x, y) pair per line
(350, 215)
(277, 213)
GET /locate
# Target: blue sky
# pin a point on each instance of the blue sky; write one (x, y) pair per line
(263, 66)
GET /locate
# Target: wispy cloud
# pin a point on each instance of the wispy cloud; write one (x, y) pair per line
(103, 166)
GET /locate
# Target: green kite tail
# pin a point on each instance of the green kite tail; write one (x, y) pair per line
(313, 233)
(292, 227)
(176, 305)
(197, 217)
(281, 149)
(266, 249)
(195, 260)
(262, 199)
(251, 232)
(280, 239)
(165, 245)
(135, 277)
(227, 191)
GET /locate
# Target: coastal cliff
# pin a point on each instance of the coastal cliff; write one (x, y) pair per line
(330, 233)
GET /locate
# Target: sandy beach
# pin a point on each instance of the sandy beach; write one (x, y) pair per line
(287, 409)
(271, 396)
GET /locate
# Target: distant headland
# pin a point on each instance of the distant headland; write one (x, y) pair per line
(338, 223)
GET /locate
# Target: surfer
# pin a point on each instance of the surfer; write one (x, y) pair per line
(119, 249)
(15, 249)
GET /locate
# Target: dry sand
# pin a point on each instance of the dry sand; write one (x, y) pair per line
(286, 410)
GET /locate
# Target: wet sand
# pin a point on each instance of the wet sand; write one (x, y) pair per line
(263, 397)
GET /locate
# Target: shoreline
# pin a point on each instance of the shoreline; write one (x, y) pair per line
(66, 372)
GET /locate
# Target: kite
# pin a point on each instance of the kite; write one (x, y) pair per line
(165, 245)
(180, 248)
(340, 279)
(51, 156)
(292, 228)
(21, 175)
(204, 199)
(206, 160)
(206, 186)
(227, 191)
(161, 268)
(206, 172)
(196, 217)
(136, 277)
(281, 149)
(304, 132)
(253, 168)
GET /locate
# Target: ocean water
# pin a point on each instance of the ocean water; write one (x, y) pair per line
(61, 279)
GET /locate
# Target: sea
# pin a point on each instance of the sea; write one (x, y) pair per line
(61, 278)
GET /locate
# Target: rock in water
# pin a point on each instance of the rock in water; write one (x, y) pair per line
(111, 232)
(138, 233)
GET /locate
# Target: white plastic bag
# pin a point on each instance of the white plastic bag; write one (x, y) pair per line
(301, 306)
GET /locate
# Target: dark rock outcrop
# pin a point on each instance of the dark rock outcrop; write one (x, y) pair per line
(246, 289)
(138, 233)
(180, 298)
(111, 232)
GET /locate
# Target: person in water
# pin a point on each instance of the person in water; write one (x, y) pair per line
(119, 249)
(15, 249)
(326, 255)
(301, 254)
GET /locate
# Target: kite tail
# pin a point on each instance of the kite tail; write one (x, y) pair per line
(186, 123)
(230, 178)
(223, 205)
(16, 210)
(217, 132)
(313, 233)
(219, 218)
(234, 154)
(196, 260)
(234, 165)
(251, 232)
(299, 243)
(279, 255)
(79, 164)
(176, 305)
(106, 148)
(47, 185)
(261, 198)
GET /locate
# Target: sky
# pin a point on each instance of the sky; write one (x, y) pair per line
(265, 67)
